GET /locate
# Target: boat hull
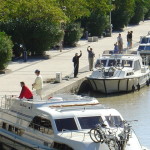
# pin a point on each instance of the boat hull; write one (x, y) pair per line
(109, 85)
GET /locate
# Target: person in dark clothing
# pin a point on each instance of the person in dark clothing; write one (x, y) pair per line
(25, 92)
(76, 63)
(130, 39)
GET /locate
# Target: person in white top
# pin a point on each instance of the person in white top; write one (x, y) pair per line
(120, 43)
(38, 84)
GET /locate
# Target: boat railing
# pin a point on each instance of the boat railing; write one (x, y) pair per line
(6, 101)
(77, 132)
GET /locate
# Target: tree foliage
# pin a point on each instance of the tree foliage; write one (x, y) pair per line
(74, 9)
(35, 24)
(138, 12)
(121, 15)
(147, 9)
(98, 19)
(5, 50)
(73, 33)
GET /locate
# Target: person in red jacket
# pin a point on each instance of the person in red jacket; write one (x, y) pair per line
(25, 92)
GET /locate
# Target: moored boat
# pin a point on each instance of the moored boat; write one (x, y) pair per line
(64, 123)
(119, 73)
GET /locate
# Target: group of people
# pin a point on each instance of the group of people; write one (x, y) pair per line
(118, 46)
(37, 85)
(75, 60)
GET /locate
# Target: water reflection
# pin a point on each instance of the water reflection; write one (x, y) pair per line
(133, 106)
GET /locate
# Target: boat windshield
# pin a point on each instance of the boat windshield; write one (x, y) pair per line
(101, 63)
(66, 124)
(90, 122)
(114, 121)
(127, 63)
(113, 62)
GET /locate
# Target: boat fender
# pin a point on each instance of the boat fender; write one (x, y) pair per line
(147, 82)
(133, 88)
(138, 87)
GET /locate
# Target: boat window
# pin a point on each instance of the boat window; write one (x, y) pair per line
(41, 124)
(101, 63)
(141, 47)
(114, 121)
(66, 124)
(137, 65)
(113, 62)
(147, 48)
(90, 122)
(144, 40)
(127, 63)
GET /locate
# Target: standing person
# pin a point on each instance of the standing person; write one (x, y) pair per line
(38, 84)
(25, 92)
(128, 39)
(120, 43)
(91, 56)
(75, 60)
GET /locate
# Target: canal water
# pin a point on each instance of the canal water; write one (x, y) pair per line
(132, 106)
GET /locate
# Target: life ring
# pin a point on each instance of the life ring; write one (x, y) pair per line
(138, 87)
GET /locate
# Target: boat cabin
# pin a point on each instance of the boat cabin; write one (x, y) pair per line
(120, 61)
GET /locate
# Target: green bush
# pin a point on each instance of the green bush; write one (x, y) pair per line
(73, 34)
(97, 24)
(5, 50)
(34, 36)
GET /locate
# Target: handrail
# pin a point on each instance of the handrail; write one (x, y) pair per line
(84, 133)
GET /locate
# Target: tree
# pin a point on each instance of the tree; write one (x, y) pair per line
(73, 33)
(35, 24)
(138, 12)
(121, 15)
(74, 9)
(98, 20)
(147, 9)
(5, 50)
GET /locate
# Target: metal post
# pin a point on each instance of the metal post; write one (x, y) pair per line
(25, 56)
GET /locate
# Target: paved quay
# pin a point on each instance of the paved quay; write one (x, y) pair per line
(62, 62)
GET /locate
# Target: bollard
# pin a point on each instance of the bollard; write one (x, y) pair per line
(25, 56)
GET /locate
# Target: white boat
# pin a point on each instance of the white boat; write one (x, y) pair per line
(64, 123)
(119, 73)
